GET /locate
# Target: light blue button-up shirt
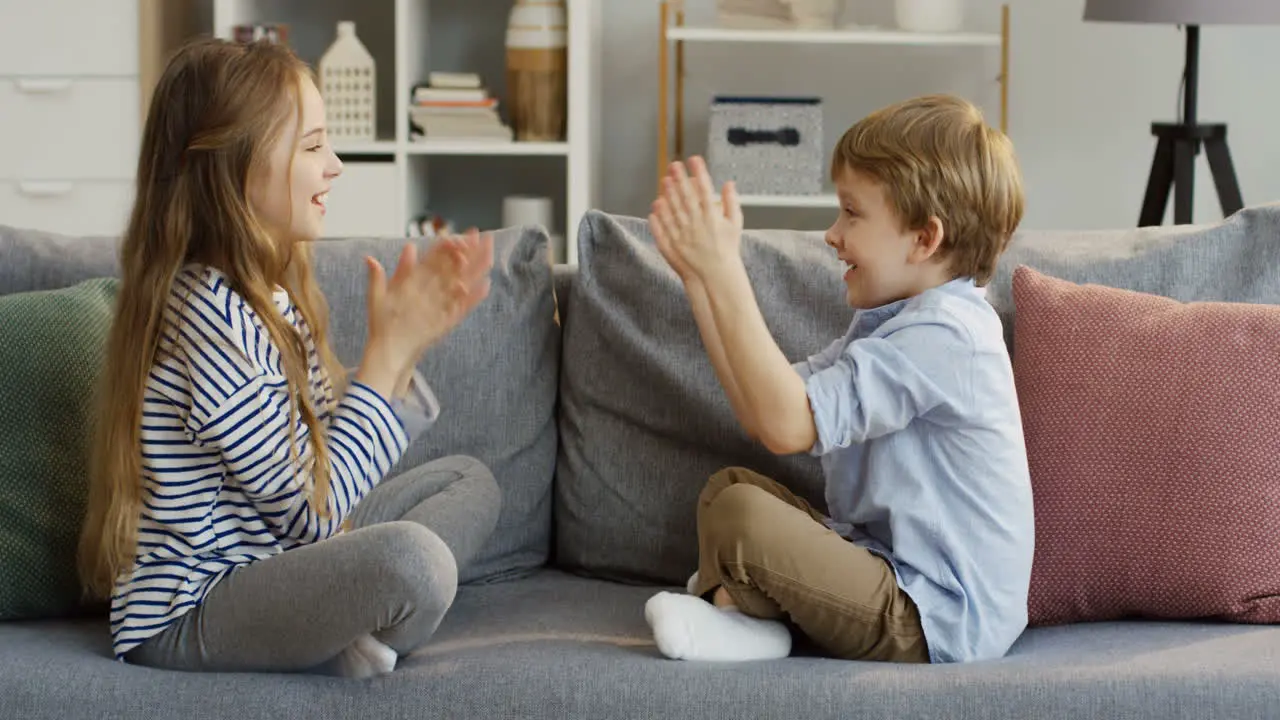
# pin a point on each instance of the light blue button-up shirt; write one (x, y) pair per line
(921, 442)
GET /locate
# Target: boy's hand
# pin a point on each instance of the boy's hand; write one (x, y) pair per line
(694, 232)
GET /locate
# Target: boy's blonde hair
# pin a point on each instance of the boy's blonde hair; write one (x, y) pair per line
(936, 157)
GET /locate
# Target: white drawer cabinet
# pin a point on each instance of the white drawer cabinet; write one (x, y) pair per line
(60, 128)
(69, 113)
(85, 38)
(82, 207)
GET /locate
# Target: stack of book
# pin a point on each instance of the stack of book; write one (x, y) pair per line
(455, 107)
(778, 14)
(754, 14)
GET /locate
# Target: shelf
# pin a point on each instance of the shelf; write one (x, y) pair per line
(831, 37)
(377, 147)
(789, 201)
(483, 147)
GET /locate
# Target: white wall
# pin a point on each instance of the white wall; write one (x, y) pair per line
(1082, 98)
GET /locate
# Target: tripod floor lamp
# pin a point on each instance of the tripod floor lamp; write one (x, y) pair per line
(1178, 144)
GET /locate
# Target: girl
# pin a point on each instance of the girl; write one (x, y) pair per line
(228, 459)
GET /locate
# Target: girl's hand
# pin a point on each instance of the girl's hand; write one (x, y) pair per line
(694, 232)
(422, 302)
(459, 270)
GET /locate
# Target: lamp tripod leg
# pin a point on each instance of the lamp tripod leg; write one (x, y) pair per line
(1224, 175)
(1159, 183)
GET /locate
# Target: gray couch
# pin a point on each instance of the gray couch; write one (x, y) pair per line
(601, 430)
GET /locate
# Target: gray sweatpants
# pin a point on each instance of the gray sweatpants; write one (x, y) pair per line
(393, 575)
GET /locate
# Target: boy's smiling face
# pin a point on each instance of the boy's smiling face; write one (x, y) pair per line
(885, 261)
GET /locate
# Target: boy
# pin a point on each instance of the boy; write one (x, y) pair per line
(926, 555)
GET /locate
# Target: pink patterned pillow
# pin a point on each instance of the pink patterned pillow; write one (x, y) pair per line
(1153, 435)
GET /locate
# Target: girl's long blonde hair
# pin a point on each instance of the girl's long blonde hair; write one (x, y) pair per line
(216, 112)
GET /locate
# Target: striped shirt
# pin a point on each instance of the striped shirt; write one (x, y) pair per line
(220, 488)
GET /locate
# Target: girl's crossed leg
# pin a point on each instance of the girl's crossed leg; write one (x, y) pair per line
(390, 580)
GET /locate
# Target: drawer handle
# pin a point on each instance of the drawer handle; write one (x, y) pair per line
(786, 137)
(44, 188)
(43, 86)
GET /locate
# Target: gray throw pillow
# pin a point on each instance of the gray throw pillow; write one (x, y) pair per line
(643, 420)
(1232, 260)
(37, 260)
(495, 377)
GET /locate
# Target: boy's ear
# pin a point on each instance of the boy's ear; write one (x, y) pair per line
(928, 240)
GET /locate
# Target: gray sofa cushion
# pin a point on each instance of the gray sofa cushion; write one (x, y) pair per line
(1235, 260)
(34, 260)
(643, 420)
(495, 375)
(563, 648)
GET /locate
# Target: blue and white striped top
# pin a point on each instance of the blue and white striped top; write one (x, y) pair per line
(219, 486)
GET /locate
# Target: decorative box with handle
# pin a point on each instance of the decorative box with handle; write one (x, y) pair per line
(767, 145)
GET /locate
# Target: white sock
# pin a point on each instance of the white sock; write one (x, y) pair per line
(686, 627)
(365, 658)
(692, 585)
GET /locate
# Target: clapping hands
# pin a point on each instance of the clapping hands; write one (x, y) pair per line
(695, 231)
(427, 296)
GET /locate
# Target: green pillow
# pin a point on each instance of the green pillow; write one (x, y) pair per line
(52, 348)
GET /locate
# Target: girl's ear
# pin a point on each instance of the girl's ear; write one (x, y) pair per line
(928, 240)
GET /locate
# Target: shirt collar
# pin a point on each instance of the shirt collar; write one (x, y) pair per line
(871, 318)
(281, 298)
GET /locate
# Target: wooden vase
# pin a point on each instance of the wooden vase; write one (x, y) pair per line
(537, 70)
(537, 91)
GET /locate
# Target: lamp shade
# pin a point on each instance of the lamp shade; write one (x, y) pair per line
(1185, 12)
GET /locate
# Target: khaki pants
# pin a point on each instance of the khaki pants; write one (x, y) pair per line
(777, 560)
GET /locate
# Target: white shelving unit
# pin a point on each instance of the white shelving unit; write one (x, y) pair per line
(388, 183)
(675, 34)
